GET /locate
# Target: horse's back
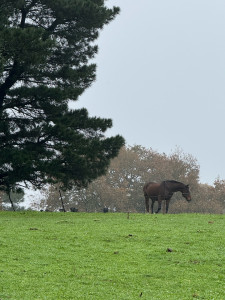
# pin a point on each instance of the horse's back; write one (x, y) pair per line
(151, 188)
(146, 185)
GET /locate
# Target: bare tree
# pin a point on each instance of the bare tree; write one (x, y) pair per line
(121, 188)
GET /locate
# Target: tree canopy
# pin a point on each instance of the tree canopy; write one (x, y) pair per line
(45, 49)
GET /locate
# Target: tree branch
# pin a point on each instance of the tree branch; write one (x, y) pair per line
(13, 77)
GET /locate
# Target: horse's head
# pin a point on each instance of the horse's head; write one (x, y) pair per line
(186, 193)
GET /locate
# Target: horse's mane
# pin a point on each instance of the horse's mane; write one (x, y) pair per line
(173, 181)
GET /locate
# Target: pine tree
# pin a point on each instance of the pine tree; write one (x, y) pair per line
(45, 49)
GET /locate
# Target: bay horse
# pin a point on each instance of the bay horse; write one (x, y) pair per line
(164, 191)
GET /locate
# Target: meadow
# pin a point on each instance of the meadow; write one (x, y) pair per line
(108, 256)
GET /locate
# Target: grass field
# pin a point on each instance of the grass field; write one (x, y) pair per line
(107, 256)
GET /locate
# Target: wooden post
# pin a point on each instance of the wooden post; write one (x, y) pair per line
(128, 206)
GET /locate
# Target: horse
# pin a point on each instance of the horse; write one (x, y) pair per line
(164, 191)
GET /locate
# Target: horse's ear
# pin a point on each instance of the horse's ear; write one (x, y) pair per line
(187, 185)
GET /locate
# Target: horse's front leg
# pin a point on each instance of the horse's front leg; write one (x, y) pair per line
(159, 204)
(167, 205)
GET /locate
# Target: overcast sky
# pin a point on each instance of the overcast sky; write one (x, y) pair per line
(161, 78)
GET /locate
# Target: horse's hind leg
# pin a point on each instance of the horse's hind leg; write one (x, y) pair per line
(152, 205)
(147, 203)
(159, 204)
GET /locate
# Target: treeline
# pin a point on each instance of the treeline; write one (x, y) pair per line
(120, 189)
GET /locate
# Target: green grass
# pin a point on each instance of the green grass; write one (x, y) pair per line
(106, 256)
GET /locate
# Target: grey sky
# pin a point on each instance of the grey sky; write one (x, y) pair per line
(161, 78)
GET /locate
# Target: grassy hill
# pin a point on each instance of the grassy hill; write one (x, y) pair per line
(107, 256)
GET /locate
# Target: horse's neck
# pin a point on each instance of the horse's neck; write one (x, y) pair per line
(177, 187)
(168, 188)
